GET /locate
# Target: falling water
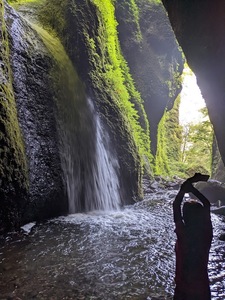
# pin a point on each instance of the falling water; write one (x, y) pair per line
(90, 167)
(104, 171)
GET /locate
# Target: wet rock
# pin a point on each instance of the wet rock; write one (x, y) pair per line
(155, 185)
(35, 97)
(171, 195)
(219, 210)
(222, 237)
(213, 190)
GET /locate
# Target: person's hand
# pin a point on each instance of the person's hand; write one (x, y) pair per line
(198, 177)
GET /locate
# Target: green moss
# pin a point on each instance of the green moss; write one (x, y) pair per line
(52, 16)
(66, 82)
(161, 158)
(169, 139)
(17, 3)
(111, 73)
(174, 138)
(131, 11)
(13, 166)
(176, 81)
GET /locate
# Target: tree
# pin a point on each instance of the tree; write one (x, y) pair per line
(197, 145)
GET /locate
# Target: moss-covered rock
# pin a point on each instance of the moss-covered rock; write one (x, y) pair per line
(153, 55)
(34, 91)
(13, 166)
(92, 42)
(44, 80)
(91, 39)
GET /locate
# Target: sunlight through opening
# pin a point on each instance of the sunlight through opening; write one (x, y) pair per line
(197, 130)
(191, 99)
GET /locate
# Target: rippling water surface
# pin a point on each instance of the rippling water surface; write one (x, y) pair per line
(116, 255)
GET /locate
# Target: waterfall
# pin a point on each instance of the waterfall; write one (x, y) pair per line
(91, 170)
(90, 166)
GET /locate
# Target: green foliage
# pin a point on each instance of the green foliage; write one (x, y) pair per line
(17, 3)
(111, 73)
(173, 137)
(197, 145)
(167, 161)
(183, 150)
(52, 16)
(161, 158)
(131, 11)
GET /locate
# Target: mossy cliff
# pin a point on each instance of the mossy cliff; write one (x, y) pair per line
(124, 92)
(128, 76)
(153, 55)
(95, 50)
(167, 160)
(13, 167)
(34, 90)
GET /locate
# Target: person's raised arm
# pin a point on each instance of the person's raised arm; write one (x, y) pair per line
(191, 189)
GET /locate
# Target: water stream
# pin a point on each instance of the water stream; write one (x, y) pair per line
(127, 254)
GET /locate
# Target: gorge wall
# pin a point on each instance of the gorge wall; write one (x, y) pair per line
(130, 78)
(200, 29)
(154, 58)
(30, 64)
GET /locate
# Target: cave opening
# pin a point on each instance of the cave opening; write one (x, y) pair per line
(185, 143)
(197, 130)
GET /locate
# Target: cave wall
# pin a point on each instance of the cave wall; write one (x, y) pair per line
(151, 52)
(218, 168)
(200, 29)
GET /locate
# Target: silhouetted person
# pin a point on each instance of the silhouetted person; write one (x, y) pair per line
(193, 228)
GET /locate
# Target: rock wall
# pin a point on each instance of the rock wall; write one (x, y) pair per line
(152, 52)
(126, 75)
(95, 52)
(200, 29)
(218, 168)
(147, 42)
(32, 88)
(13, 167)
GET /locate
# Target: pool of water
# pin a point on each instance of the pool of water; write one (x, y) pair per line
(127, 254)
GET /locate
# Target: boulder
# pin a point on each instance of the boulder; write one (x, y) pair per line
(213, 190)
